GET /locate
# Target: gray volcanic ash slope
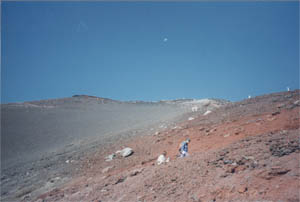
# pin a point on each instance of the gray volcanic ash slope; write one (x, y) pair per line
(38, 137)
(32, 129)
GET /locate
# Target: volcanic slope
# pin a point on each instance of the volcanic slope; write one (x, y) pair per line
(44, 142)
(244, 151)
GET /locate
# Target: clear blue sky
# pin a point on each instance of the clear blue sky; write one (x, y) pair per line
(148, 51)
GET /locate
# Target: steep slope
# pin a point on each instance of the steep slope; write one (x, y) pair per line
(244, 151)
(38, 137)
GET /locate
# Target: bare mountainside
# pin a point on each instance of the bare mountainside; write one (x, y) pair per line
(243, 151)
(37, 137)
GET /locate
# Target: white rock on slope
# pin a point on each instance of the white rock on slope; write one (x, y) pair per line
(162, 159)
(105, 170)
(194, 108)
(207, 112)
(125, 152)
(110, 157)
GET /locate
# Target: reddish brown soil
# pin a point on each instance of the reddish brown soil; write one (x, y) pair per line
(246, 151)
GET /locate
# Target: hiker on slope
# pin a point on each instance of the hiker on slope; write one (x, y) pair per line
(183, 148)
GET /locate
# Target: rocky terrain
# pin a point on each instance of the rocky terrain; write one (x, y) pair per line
(44, 143)
(242, 151)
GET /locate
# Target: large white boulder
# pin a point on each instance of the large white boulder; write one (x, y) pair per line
(125, 152)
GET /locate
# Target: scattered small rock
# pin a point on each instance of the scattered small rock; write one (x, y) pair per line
(275, 113)
(55, 179)
(213, 130)
(224, 175)
(27, 197)
(275, 171)
(201, 129)
(248, 157)
(297, 102)
(120, 180)
(207, 112)
(107, 169)
(110, 157)
(279, 149)
(280, 105)
(254, 164)
(231, 169)
(227, 135)
(227, 161)
(136, 172)
(243, 189)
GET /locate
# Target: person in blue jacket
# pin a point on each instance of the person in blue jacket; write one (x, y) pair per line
(183, 148)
